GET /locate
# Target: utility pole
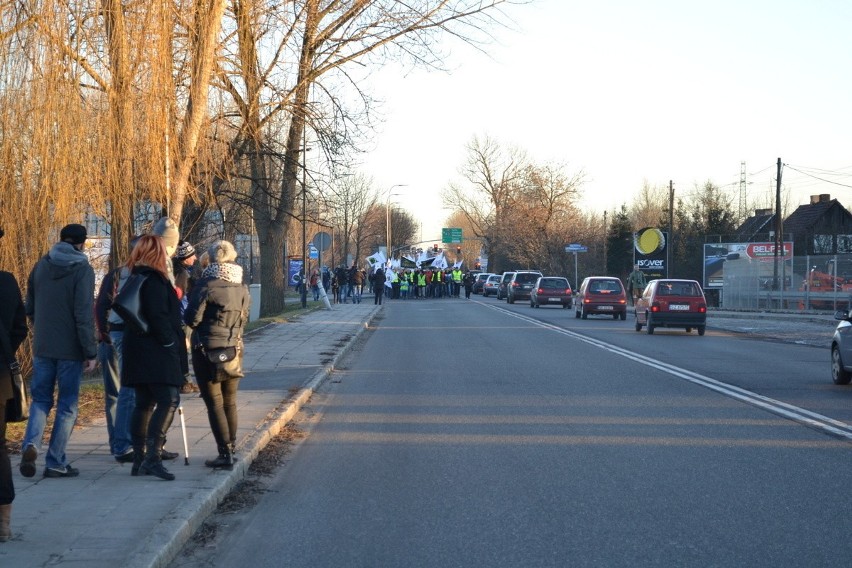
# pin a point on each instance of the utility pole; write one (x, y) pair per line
(779, 241)
(670, 244)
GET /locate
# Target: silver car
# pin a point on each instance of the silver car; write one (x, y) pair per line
(491, 285)
(841, 349)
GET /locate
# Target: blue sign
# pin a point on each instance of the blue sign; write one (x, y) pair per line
(294, 270)
(576, 247)
(313, 252)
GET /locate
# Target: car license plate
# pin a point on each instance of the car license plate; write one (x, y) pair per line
(605, 308)
(554, 299)
(679, 307)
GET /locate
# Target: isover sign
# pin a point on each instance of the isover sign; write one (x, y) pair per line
(649, 252)
(766, 251)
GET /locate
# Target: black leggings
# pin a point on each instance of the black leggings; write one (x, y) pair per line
(220, 398)
(155, 408)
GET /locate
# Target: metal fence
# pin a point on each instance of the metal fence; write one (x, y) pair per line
(821, 282)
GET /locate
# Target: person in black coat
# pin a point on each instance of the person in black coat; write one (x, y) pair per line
(153, 363)
(217, 312)
(379, 280)
(13, 322)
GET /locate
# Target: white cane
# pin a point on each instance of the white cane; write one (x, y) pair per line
(183, 431)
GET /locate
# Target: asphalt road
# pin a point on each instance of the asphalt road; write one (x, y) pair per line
(473, 433)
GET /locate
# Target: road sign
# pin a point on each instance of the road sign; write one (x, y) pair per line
(451, 235)
(576, 247)
(313, 252)
(322, 241)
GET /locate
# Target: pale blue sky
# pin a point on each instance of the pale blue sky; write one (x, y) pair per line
(631, 91)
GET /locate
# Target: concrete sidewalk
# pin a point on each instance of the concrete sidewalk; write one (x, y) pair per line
(106, 518)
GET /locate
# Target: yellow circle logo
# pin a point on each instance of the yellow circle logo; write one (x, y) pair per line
(650, 240)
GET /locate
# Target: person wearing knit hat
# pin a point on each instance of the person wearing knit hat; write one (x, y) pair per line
(60, 303)
(183, 263)
(167, 229)
(73, 233)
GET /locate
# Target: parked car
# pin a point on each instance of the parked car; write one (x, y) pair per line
(479, 283)
(551, 291)
(841, 349)
(504, 281)
(491, 285)
(521, 285)
(672, 303)
(601, 295)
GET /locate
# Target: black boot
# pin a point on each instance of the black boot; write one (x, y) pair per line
(224, 461)
(138, 456)
(153, 464)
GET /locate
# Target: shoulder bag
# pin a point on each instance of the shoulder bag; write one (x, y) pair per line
(17, 407)
(127, 303)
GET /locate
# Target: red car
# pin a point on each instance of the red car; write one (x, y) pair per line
(551, 291)
(602, 295)
(672, 303)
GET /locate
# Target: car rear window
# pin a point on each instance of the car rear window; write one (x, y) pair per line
(605, 286)
(678, 289)
(527, 278)
(553, 283)
(507, 277)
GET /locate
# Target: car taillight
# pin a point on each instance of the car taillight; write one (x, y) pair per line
(540, 291)
(655, 307)
(515, 285)
(702, 308)
(568, 291)
(622, 301)
(587, 301)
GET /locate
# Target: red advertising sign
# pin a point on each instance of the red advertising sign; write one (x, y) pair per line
(766, 251)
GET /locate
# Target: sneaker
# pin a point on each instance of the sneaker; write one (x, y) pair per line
(126, 457)
(28, 466)
(66, 471)
(189, 387)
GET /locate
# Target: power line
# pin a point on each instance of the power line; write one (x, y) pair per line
(818, 178)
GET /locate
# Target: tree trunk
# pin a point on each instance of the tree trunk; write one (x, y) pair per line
(208, 23)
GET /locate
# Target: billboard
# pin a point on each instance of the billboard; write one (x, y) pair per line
(757, 255)
(650, 247)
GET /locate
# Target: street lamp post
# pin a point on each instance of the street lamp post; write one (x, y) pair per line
(304, 283)
(387, 216)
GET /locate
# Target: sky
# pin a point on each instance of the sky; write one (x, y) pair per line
(629, 92)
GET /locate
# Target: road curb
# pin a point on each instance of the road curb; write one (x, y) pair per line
(174, 532)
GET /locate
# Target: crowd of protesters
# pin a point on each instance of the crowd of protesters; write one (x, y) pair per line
(350, 284)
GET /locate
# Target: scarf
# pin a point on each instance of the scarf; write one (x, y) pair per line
(228, 271)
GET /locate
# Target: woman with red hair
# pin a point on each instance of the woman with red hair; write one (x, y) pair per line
(154, 362)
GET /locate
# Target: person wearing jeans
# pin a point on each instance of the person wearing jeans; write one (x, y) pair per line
(60, 304)
(118, 402)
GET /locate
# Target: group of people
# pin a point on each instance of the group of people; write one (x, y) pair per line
(423, 283)
(189, 315)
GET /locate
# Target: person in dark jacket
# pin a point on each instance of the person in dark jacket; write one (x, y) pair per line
(60, 304)
(118, 402)
(379, 280)
(13, 322)
(153, 363)
(218, 311)
(183, 263)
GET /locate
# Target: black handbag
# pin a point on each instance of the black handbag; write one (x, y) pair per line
(227, 361)
(127, 303)
(17, 407)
